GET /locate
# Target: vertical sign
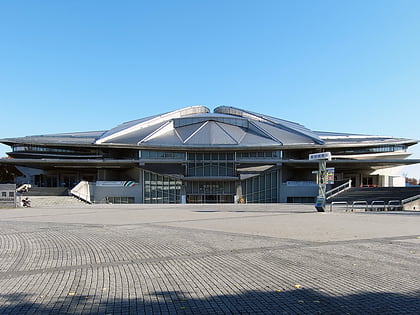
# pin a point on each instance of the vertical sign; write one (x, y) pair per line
(330, 175)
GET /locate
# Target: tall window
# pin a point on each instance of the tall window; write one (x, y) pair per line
(161, 189)
(261, 189)
(210, 164)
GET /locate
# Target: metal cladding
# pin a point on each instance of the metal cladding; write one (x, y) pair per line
(196, 127)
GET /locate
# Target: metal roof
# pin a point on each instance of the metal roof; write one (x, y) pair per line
(196, 127)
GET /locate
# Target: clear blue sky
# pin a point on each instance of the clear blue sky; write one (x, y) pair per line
(347, 66)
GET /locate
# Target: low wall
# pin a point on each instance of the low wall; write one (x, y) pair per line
(7, 195)
(296, 190)
(100, 192)
(414, 205)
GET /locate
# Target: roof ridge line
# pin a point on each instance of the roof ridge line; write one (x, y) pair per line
(195, 132)
(265, 132)
(223, 129)
(169, 115)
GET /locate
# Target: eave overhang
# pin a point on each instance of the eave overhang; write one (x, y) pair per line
(353, 164)
(112, 163)
(74, 163)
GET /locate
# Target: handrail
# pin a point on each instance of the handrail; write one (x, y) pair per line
(393, 204)
(407, 200)
(339, 203)
(82, 191)
(331, 193)
(377, 204)
(360, 202)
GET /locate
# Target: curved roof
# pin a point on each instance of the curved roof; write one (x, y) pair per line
(196, 126)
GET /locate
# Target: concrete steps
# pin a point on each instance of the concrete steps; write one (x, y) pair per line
(56, 202)
(47, 191)
(379, 193)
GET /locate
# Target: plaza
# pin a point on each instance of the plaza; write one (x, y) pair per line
(208, 259)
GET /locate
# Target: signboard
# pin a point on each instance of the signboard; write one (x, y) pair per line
(320, 204)
(330, 175)
(320, 156)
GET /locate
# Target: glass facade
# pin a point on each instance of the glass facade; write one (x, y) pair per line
(45, 149)
(211, 164)
(259, 155)
(367, 150)
(161, 189)
(210, 192)
(166, 155)
(261, 189)
(211, 177)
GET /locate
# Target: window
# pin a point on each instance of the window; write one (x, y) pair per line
(259, 155)
(210, 164)
(167, 155)
(378, 149)
(161, 189)
(261, 189)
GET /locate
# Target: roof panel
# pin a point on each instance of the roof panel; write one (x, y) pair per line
(210, 133)
(283, 136)
(279, 123)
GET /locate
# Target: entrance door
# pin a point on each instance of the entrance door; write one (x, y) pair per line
(69, 180)
(210, 199)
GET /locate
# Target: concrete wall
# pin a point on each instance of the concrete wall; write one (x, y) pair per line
(415, 205)
(7, 195)
(297, 191)
(100, 193)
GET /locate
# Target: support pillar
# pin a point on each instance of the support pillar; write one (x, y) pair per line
(322, 186)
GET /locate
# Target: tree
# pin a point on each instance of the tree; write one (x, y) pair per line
(8, 173)
(411, 181)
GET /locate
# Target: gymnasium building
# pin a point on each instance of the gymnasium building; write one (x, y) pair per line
(193, 155)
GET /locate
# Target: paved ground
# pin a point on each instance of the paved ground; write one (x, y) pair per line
(192, 259)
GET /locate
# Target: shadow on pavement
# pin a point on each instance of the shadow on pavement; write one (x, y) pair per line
(293, 301)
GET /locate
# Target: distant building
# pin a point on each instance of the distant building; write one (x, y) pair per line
(191, 155)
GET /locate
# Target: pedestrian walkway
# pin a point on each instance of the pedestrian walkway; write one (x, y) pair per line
(208, 259)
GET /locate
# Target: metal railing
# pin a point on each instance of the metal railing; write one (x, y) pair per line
(407, 200)
(359, 204)
(376, 205)
(339, 203)
(394, 205)
(335, 191)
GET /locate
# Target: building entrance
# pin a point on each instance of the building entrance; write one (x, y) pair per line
(210, 191)
(210, 198)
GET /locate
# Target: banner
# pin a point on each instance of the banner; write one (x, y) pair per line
(330, 175)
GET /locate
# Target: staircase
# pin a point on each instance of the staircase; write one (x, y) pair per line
(48, 197)
(47, 191)
(56, 202)
(376, 197)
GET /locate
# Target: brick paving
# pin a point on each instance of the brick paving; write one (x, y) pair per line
(201, 260)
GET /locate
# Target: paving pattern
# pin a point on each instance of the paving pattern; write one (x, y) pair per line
(158, 268)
